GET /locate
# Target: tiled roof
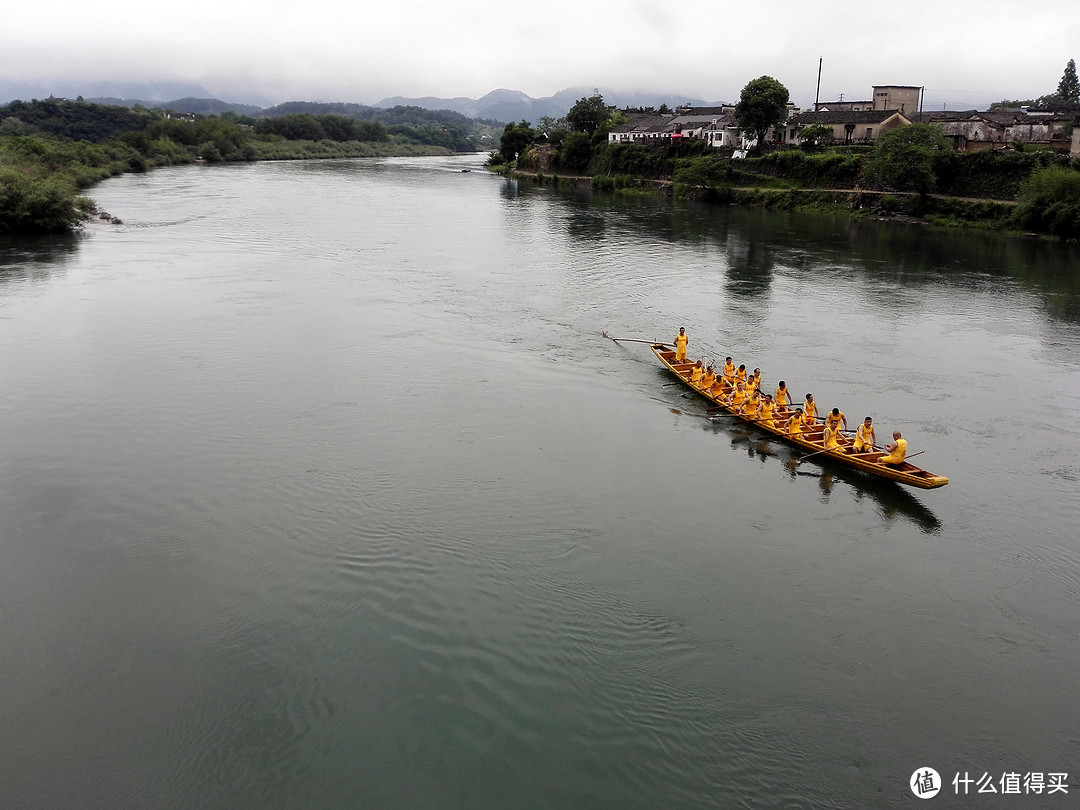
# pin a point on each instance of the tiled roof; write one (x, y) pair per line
(845, 117)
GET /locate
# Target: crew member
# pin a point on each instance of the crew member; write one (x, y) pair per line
(795, 423)
(696, 373)
(751, 405)
(835, 417)
(738, 395)
(766, 411)
(729, 372)
(782, 397)
(708, 380)
(681, 340)
(897, 450)
(864, 436)
(810, 410)
(830, 438)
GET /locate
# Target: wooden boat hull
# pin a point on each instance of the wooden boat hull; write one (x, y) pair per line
(905, 473)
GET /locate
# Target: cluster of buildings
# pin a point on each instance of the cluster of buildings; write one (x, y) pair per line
(861, 122)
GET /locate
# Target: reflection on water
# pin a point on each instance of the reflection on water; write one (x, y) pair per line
(893, 501)
(754, 242)
(35, 258)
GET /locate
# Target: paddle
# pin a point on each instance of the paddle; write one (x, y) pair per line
(633, 340)
(818, 453)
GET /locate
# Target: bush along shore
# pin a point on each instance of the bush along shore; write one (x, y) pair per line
(911, 173)
(52, 150)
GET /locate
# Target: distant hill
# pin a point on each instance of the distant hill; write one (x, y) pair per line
(501, 106)
(201, 106)
(505, 106)
(151, 93)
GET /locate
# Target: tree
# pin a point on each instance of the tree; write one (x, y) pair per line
(1068, 89)
(814, 136)
(910, 158)
(575, 152)
(515, 138)
(588, 114)
(547, 125)
(762, 104)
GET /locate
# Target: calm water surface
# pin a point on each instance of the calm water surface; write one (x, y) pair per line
(319, 487)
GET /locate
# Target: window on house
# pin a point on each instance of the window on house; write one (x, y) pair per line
(869, 133)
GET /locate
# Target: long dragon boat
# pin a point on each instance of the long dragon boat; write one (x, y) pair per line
(810, 438)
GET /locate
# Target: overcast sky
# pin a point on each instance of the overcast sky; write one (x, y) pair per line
(965, 53)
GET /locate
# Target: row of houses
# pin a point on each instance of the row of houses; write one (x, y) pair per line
(860, 122)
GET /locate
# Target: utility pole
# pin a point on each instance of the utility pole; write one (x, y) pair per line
(817, 95)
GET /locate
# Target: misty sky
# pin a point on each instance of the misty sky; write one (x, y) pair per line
(965, 53)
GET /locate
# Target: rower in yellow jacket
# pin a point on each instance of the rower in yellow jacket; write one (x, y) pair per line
(864, 436)
(897, 450)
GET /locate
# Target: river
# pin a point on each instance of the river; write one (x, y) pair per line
(319, 487)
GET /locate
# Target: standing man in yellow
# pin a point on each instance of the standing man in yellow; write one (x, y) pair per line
(897, 450)
(681, 340)
(864, 436)
(810, 410)
(781, 396)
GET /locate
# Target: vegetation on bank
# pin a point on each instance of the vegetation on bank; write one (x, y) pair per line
(909, 172)
(51, 150)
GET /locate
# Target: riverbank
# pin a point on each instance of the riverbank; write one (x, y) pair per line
(51, 150)
(40, 183)
(930, 209)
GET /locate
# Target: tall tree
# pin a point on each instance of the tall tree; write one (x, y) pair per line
(515, 139)
(1068, 89)
(762, 104)
(588, 114)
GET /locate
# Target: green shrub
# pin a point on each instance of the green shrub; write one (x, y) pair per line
(33, 205)
(1049, 202)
